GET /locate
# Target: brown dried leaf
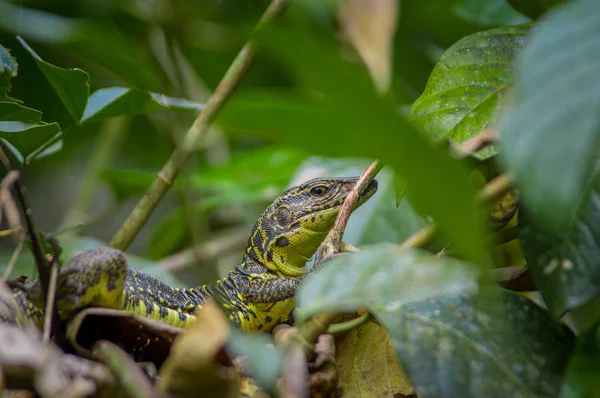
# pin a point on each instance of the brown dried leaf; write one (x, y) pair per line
(370, 26)
(367, 364)
(198, 364)
(146, 339)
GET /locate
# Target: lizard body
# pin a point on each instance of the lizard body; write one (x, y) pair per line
(256, 295)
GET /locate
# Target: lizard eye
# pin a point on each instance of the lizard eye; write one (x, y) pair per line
(319, 190)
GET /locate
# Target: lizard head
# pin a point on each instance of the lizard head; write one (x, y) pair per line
(289, 232)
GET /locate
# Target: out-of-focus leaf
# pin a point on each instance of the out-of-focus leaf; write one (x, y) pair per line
(116, 51)
(8, 70)
(564, 266)
(197, 366)
(466, 88)
(474, 348)
(14, 112)
(581, 380)
(488, 12)
(382, 273)
(268, 168)
(351, 120)
(370, 27)
(400, 188)
(534, 8)
(70, 85)
(556, 92)
(114, 101)
(25, 139)
(368, 366)
(263, 356)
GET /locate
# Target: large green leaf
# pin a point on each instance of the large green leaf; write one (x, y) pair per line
(351, 120)
(581, 380)
(115, 101)
(14, 112)
(8, 70)
(70, 85)
(25, 139)
(551, 132)
(565, 265)
(382, 274)
(466, 347)
(488, 12)
(466, 88)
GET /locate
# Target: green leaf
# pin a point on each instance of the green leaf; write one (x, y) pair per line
(25, 139)
(488, 12)
(263, 356)
(379, 275)
(115, 101)
(534, 8)
(551, 132)
(471, 347)
(581, 380)
(14, 112)
(367, 364)
(351, 120)
(79, 34)
(8, 70)
(564, 265)
(70, 85)
(466, 88)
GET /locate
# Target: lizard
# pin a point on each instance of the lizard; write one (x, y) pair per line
(256, 295)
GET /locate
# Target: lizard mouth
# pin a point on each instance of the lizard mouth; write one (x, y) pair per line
(368, 192)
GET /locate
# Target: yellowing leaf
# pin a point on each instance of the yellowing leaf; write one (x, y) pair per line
(368, 366)
(370, 25)
(198, 365)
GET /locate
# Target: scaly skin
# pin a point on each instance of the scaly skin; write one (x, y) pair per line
(257, 294)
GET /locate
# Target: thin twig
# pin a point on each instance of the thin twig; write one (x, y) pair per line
(49, 310)
(15, 256)
(349, 325)
(472, 145)
(36, 245)
(333, 241)
(9, 232)
(192, 139)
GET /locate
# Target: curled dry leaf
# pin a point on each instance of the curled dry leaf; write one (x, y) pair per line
(368, 366)
(198, 365)
(370, 26)
(145, 339)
